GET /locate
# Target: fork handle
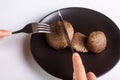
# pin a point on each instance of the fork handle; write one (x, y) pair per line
(15, 32)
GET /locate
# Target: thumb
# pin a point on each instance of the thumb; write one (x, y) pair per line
(91, 76)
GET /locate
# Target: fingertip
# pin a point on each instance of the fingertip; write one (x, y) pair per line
(4, 33)
(8, 32)
(91, 76)
(89, 73)
(75, 54)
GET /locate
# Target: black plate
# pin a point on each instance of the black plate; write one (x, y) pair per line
(59, 63)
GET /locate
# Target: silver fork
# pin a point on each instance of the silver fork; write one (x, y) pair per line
(35, 28)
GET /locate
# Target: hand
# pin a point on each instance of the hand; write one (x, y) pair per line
(4, 33)
(79, 71)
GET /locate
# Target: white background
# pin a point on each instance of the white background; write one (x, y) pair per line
(16, 61)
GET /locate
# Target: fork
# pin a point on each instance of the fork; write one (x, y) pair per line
(35, 28)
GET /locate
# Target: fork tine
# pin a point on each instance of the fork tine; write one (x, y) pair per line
(42, 28)
(42, 24)
(45, 27)
(43, 31)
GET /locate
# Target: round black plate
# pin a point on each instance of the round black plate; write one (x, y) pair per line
(59, 62)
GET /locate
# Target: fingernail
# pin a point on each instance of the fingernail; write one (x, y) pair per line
(76, 54)
(7, 33)
(4, 33)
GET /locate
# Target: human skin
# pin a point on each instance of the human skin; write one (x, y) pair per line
(79, 71)
(4, 33)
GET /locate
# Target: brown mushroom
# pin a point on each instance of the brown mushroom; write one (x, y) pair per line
(57, 38)
(97, 42)
(79, 42)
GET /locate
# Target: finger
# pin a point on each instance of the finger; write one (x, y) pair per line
(73, 76)
(1, 38)
(79, 70)
(4, 33)
(91, 76)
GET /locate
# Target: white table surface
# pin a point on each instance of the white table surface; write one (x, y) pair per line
(16, 61)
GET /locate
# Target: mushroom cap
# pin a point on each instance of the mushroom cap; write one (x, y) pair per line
(57, 38)
(79, 42)
(97, 42)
